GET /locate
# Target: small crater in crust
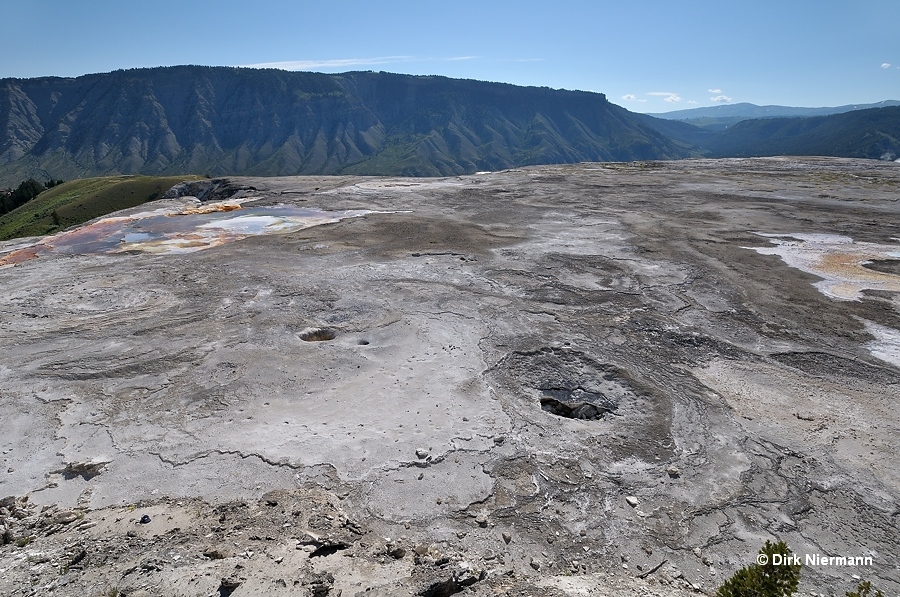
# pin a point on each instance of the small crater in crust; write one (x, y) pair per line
(317, 334)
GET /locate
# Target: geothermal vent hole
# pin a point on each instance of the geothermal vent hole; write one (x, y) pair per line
(573, 404)
(318, 335)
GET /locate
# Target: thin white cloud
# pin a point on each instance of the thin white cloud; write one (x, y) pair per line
(715, 91)
(338, 63)
(720, 99)
(629, 97)
(691, 102)
(349, 63)
(885, 65)
(667, 96)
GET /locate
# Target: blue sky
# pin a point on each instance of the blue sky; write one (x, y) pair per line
(648, 56)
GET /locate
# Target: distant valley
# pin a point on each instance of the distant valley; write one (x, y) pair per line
(722, 116)
(217, 120)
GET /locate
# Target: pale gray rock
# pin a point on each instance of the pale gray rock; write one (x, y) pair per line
(634, 289)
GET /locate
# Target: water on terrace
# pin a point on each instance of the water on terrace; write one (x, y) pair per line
(845, 268)
(839, 260)
(165, 231)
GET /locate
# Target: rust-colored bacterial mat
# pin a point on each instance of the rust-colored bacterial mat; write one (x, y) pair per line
(183, 231)
(838, 260)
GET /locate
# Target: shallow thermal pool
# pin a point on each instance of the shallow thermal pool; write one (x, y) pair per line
(841, 263)
(179, 231)
(838, 260)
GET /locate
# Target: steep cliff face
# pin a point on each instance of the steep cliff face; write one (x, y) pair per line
(20, 125)
(458, 126)
(218, 120)
(265, 122)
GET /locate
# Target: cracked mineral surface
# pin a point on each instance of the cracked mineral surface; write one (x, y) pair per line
(599, 379)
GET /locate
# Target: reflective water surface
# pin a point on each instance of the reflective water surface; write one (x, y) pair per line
(182, 231)
(839, 260)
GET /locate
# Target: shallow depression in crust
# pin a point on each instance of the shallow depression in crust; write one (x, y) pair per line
(318, 334)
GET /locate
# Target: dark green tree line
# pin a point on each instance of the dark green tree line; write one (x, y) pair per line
(25, 192)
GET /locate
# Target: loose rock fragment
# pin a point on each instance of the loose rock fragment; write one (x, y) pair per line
(397, 552)
(85, 470)
(215, 553)
(319, 584)
(65, 517)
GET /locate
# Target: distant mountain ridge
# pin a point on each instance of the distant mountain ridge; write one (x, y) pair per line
(873, 133)
(721, 117)
(746, 110)
(220, 120)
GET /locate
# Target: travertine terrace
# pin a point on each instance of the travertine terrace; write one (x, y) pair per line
(598, 379)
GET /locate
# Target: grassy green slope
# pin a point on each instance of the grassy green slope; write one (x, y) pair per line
(78, 201)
